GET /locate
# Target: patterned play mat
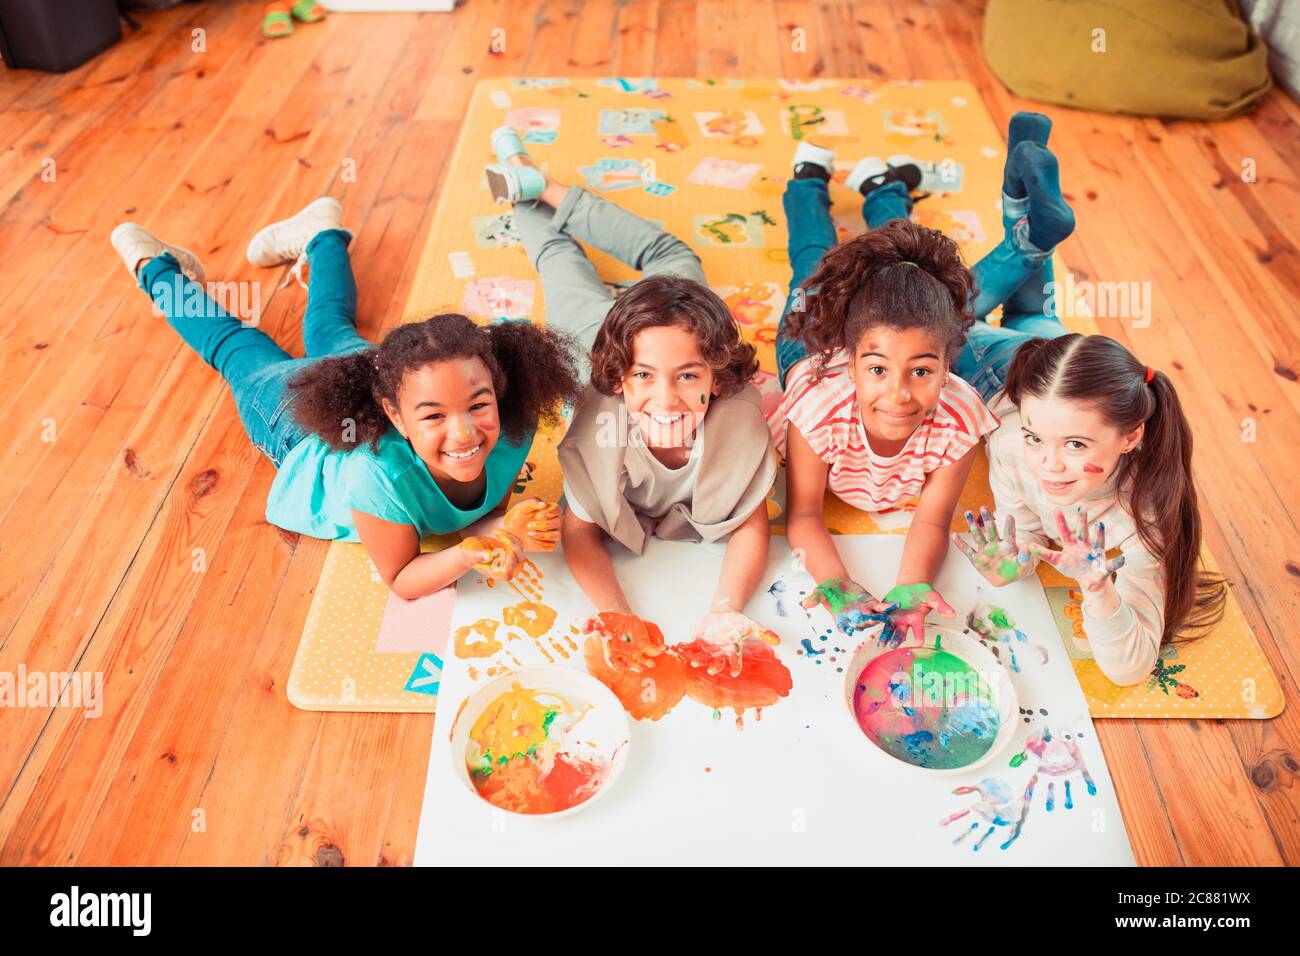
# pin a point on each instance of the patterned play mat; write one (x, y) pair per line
(709, 159)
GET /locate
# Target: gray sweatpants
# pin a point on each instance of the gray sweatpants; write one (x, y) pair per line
(576, 299)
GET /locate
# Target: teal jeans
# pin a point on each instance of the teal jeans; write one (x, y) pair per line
(257, 369)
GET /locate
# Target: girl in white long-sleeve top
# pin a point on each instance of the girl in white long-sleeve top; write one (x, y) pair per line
(1093, 453)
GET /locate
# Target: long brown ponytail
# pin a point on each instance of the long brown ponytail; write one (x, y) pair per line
(533, 370)
(1156, 477)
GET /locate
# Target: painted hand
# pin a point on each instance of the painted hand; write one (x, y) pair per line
(627, 642)
(1082, 556)
(535, 522)
(852, 605)
(997, 558)
(496, 557)
(718, 642)
(912, 603)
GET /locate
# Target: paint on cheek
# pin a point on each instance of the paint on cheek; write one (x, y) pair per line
(1090, 469)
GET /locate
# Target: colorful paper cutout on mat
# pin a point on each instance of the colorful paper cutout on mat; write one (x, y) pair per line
(944, 176)
(742, 125)
(500, 297)
(415, 627)
(427, 676)
(913, 126)
(804, 120)
(729, 229)
(496, 232)
(725, 173)
(611, 175)
(536, 124)
(629, 122)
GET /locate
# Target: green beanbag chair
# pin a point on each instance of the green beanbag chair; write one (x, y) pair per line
(1195, 59)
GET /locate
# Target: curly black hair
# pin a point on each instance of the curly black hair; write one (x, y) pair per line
(672, 300)
(901, 276)
(534, 372)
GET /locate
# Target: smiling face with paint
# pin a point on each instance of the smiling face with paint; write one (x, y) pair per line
(668, 387)
(898, 375)
(1070, 448)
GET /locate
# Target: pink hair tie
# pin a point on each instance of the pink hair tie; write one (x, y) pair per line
(1151, 373)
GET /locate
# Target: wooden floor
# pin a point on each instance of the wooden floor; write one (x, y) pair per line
(133, 543)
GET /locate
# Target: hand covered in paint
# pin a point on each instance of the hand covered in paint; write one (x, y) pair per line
(719, 641)
(1082, 555)
(628, 643)
(497, 556)
(912, 602)
(852, 605)
(534, 522)
(999, 559)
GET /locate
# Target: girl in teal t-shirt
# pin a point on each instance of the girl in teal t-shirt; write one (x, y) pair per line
(423, 434)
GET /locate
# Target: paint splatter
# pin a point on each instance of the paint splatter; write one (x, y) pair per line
(926, 707)
(809, 649)
(777, 590)
(762, 681)
(520, 755)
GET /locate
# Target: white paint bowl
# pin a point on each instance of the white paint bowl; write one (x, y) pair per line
(605, 725)
(979, 657)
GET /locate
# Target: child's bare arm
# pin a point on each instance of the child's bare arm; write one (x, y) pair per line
(584, 550)
(805, 523)
(743, 563)
(927, 538)
(395, 550)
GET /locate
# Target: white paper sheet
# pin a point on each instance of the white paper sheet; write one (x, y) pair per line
(802, 785)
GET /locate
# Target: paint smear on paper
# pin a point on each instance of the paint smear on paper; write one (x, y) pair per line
(762, 681)
(926, 707)
(521, 755)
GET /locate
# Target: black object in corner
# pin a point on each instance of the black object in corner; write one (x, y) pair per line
(56, 35)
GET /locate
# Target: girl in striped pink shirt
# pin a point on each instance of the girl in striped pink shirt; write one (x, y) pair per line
(873, 413)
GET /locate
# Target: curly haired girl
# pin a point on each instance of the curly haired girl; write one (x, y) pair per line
(423, 434)
(870, 409)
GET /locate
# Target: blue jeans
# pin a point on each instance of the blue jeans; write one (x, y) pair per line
(810, 233)
(1018, 276)
(257, 369)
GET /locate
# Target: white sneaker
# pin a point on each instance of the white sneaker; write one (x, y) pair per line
(287, 240)
(867, 168)
(134, 243)
(806, 152)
